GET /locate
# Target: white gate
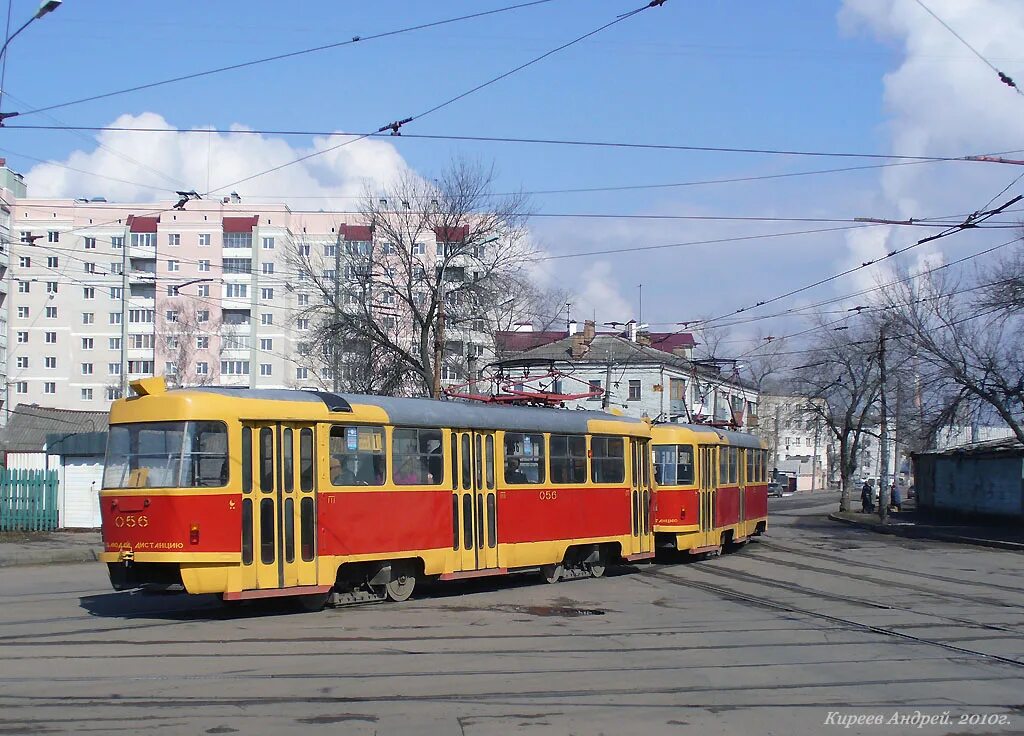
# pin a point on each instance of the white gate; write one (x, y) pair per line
(80, 485)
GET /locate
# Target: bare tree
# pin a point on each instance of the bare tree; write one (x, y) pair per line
(180, 344)
(967, 335)
(840, 380)
(440, 264)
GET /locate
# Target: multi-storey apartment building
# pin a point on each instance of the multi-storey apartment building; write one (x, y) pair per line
(12, 186)
(102, 293)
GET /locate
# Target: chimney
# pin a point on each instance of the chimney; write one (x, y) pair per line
(579, 346)
(573, 326)
(631, 330)
(589, 330)
(682, 352)
(235, 199)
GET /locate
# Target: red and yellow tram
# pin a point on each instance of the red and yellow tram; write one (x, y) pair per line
(263, 493)
(711, 488)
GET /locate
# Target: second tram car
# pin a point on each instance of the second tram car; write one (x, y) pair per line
(711, 488)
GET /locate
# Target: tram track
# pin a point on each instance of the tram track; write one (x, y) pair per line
(762, 602)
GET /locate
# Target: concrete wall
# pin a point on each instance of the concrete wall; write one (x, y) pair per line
(990, 486)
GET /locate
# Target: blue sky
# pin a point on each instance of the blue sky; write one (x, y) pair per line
(796, 74)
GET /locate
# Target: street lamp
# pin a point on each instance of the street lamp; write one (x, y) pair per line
(48, 6)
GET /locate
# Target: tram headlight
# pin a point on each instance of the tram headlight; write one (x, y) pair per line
(193, 534)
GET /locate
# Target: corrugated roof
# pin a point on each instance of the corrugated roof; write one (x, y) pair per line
(1003, 446)
(29, 425)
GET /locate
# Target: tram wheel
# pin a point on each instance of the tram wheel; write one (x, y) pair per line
(552, 573)
(400, 588)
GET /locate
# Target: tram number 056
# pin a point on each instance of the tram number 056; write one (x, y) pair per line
(548, 495)
(131, 520)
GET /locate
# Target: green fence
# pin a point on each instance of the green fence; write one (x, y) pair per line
(28, 500)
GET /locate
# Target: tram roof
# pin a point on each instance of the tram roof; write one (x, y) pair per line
(431, 412)
(731, 437)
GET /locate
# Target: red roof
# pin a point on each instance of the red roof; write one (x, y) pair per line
(142, 224)
(516, 342)
(358, 232)
(240, 224)
(669, 341)
(452, 234)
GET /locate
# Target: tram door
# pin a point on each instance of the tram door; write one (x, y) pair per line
(474, 502)
(278, 505)
(641, 496)
(708, 483)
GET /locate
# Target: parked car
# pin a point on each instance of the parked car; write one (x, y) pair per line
(775, 489)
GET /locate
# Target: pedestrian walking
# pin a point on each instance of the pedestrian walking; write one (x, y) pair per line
(894, 495)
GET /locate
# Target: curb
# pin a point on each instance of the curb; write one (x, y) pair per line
(913, 532)
(55, 557)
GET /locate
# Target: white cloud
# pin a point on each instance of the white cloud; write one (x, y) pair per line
(942, 100)
(125, 162)
(597, 293)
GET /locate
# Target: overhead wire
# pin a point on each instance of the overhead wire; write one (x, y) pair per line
(288, 55)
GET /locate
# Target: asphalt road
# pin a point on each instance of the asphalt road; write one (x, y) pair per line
(817, 619)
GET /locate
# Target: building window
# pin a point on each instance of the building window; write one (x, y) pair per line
(86, 369)
(172, 342)
(266, 294)
(26, 236)
(302, 324)
(234, 367)
(87, 343)
(141, 341)
(304, 249)
(86, 394)
(170, 368)
(143, 240)
(113, 343)
(172, 291)
(329, 250)
(267, 318)
(202, 343)
(116, 268)
(49, 387)
(117, 242)
(89, 292)
(115, 292)
(268, 268)
(237, 240)
(204, 238)
(88, 318)
(595, 386)
(268, 244)
(203, 290)
(303, 300)
(141, 316)
(113, 393)
(236, 291)
(266, 343)
(52, 262)
(22, 387)
(329, 274)
(140, 367)
(301, 374)
(53, 236)
(90, 244)
(203, 315)
(51, 287)
(25, 261)
(634, 390)
(22, 338)
(173, 265)
(202, 368)
(114, 369)
(23, 361)
(204, 266)
(51, 338)
(23, 312)
(50, 362)
(173, 239)
(237, 265)
(266, 369)
(115, 318)
(24, 287)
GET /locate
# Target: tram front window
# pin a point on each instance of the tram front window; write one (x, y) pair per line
(166, 455)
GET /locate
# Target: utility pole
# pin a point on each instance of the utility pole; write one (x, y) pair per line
(125, 295)
(335, 347)
(606, 399)
(883, 439)
(814, 458)
(439, 325)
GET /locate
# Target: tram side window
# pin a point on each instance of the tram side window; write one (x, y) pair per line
(734, 470)
(417, 457)
(608, 460)
(568, 458)
(723, 466)
(524, 458)
(357, 456)
(673, 465)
